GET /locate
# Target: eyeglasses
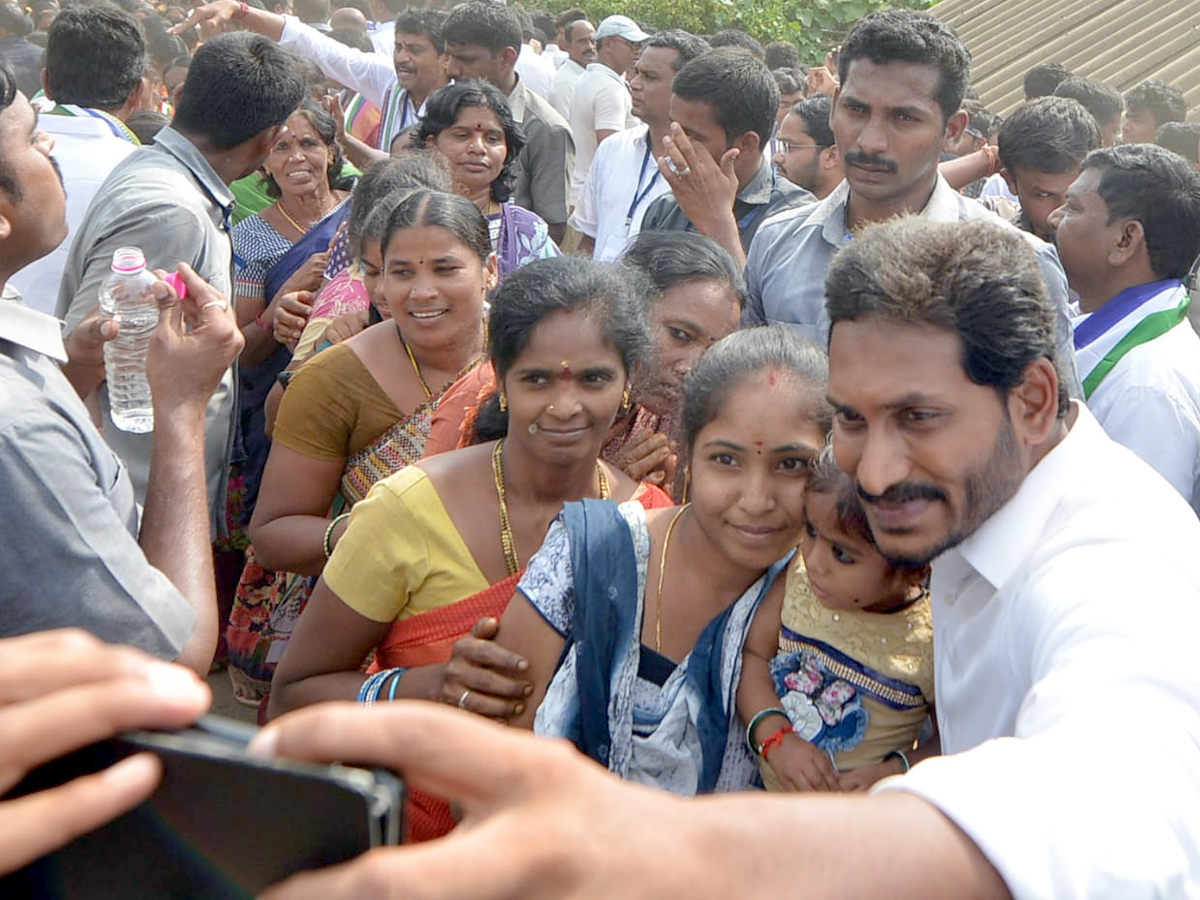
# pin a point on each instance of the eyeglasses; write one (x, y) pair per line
(787, 146)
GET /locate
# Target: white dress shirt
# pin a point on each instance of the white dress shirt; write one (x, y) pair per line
(536, 71)
(623, 182)
(563, 87)
(1068, 695)
(87, 150)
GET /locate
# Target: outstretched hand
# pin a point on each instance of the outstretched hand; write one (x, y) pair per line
(523, 798)
(211, 18)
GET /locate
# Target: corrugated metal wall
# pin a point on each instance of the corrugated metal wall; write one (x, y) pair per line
(1119, 42)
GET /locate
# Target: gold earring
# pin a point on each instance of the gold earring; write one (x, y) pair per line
(503, 403)
(626, 401)
(687, 483)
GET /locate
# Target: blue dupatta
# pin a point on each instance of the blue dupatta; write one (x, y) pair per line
(601, 659)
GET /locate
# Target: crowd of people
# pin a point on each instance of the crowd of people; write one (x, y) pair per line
(744, 424)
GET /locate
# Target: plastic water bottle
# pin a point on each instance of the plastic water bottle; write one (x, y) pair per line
(126, 295)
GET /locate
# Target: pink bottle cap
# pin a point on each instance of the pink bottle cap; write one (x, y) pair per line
(173, 279)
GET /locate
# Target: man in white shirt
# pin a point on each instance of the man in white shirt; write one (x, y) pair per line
(1064, 605)
(581, 53)
(95, 59)
(601, 104)
(1127, 236)
(399, 88)
(624, 179)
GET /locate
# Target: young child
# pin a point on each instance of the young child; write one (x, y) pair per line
(837, 675)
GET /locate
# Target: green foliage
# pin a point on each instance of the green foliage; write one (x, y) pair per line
(812, 25)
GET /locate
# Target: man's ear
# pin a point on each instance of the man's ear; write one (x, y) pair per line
(46, 85)
(266, 140)
(5, 222)
(508, 57)
(748, 143)
(1130, 243)
(956, 125)
(831, 158)
(1033, 404)
(138, 99)
(1009, 179)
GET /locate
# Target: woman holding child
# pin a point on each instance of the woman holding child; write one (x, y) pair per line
(649, 612)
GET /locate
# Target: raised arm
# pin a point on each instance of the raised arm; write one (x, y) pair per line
(196, 341)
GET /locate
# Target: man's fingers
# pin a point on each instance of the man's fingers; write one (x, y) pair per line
(48, 727)
(727, 160)
(486, 628)
(454, 756)
(34, 825)
(79, 658)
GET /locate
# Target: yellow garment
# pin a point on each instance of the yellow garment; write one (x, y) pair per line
(333, 407)
(313, 331)
(401, 555)
(896, 646)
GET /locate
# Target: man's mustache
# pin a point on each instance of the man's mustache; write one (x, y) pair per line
(904, 492)
(856, 158)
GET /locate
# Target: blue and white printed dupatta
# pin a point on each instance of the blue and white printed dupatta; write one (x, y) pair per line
(684, 736)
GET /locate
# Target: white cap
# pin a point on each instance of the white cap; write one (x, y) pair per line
(623, 27)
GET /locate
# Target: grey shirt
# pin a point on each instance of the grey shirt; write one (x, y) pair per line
(70, 554)
(167, 200)
(544, 166)
(787, 262)
(762, 197)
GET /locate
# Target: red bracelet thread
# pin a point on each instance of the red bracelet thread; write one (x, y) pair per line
(244, 8)
(265, 326)
(764, 749)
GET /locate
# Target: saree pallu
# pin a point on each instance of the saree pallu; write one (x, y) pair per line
(268, 603)
(251, 445)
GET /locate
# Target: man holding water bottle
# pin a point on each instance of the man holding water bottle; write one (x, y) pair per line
(172, 201)
(72, 552)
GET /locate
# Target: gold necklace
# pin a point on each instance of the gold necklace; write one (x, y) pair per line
(416, 368)
(662, 570)
(287, 215)
(506, 535)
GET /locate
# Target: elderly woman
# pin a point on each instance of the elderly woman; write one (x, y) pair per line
(471, 124)
(280, 250)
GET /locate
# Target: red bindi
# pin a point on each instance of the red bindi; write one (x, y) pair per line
(566, 374)
(771, 379)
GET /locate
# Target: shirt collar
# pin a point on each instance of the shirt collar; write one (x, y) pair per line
(601, 67)
(758, 189)
(518, 99)
(174, 144)
(830, 213)
(1004, 543)
(29, 328)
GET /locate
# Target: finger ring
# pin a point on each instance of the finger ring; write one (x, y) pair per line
(222, 305)
(685, 171)
(462, 701)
